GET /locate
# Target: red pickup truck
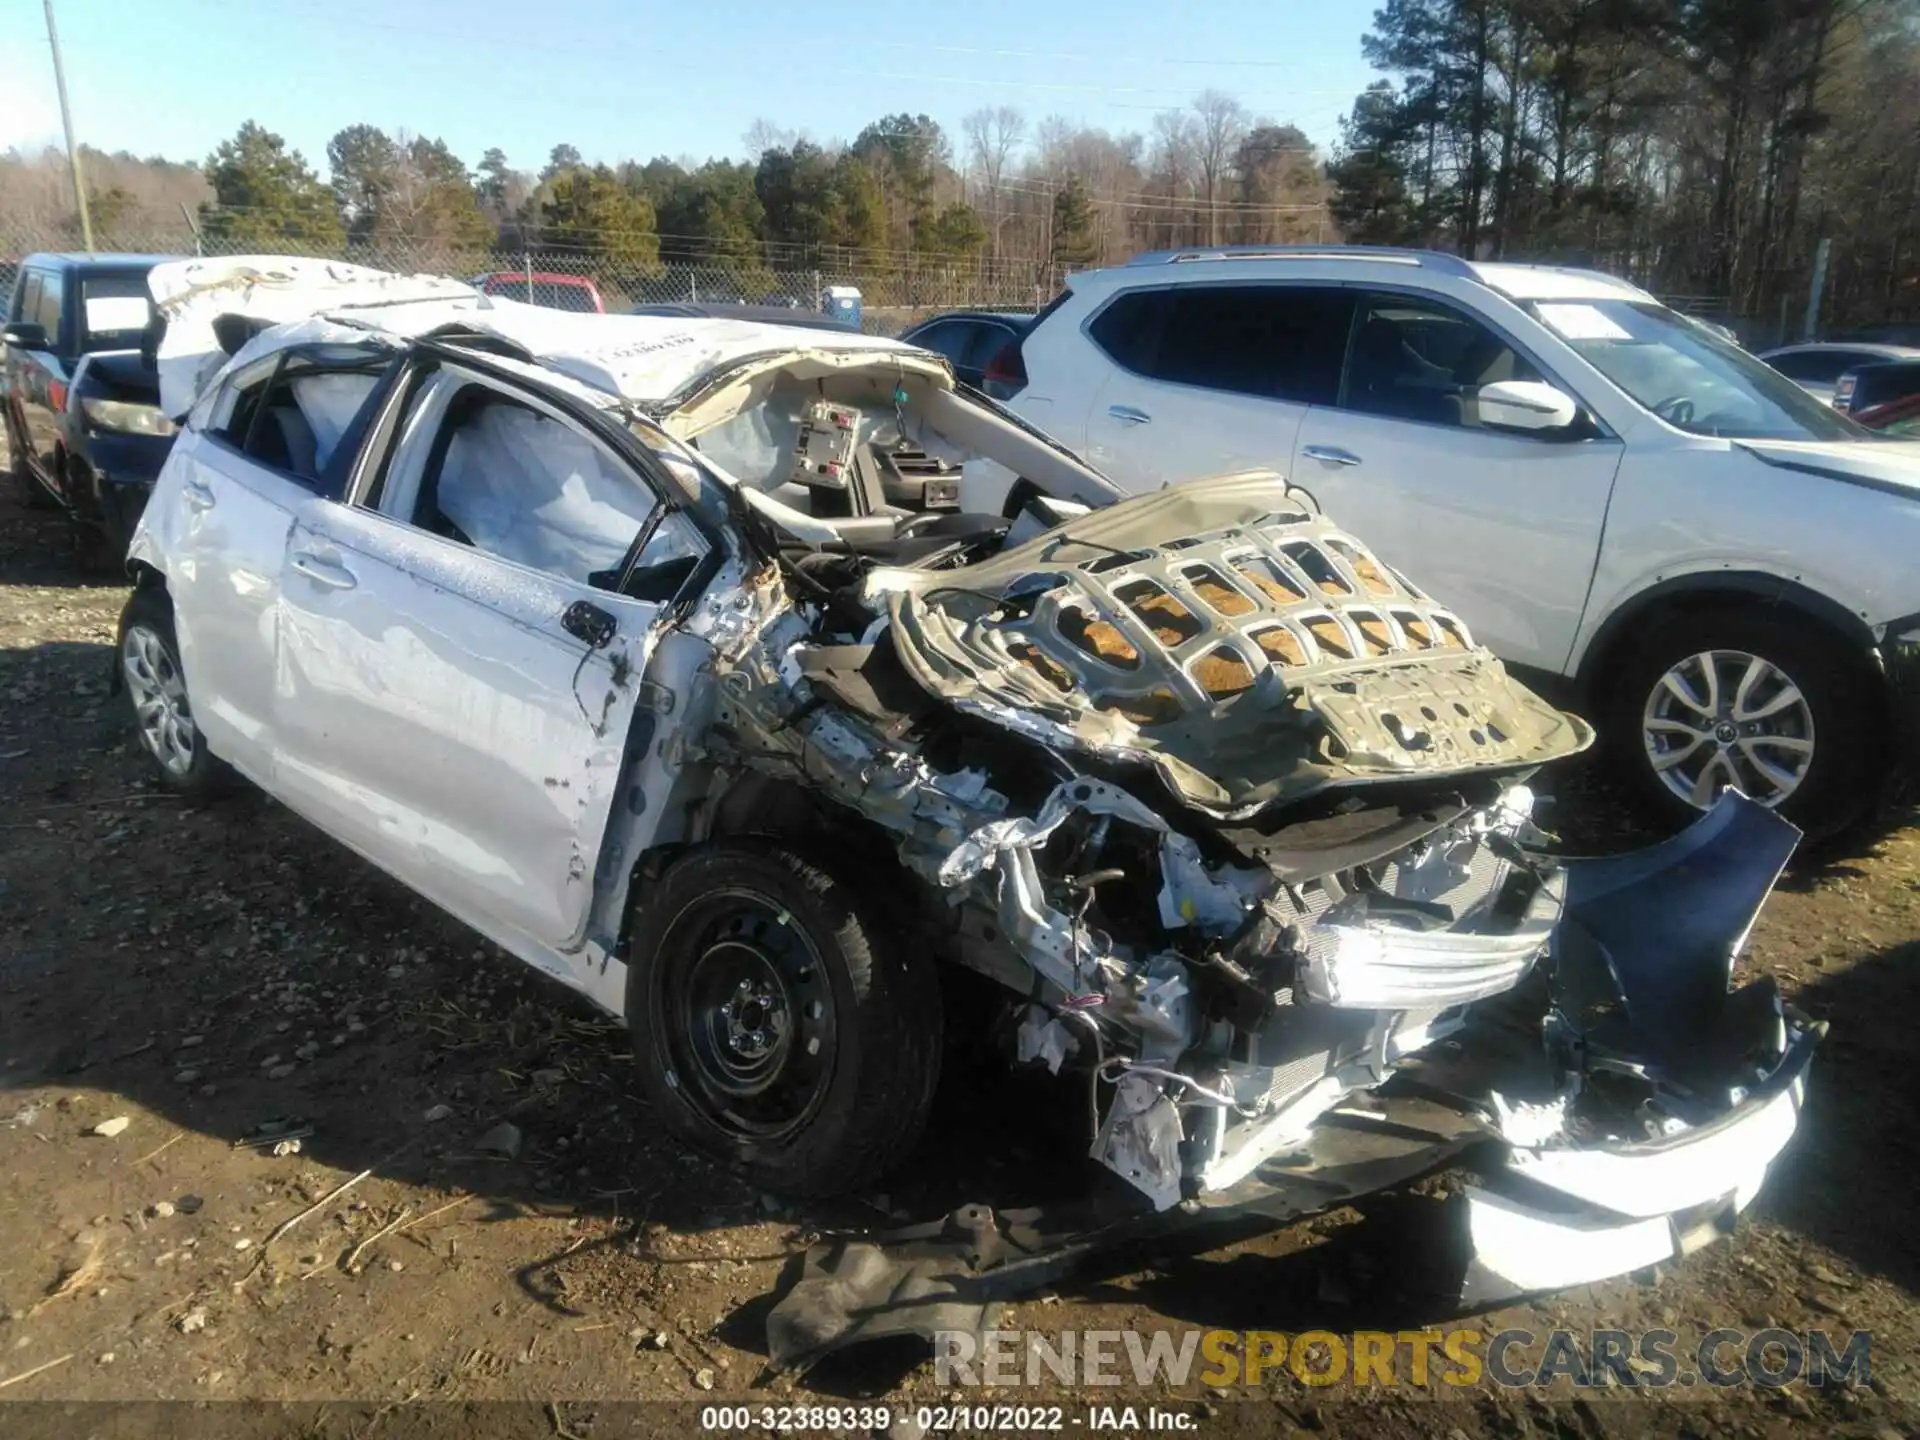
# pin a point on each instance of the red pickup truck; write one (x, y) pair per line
(543, 287)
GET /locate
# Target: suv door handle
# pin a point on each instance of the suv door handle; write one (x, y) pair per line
(1330, 455)
(197, 493)
(323, 570)
(1129, 415)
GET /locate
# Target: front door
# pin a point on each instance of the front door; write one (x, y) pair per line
(1502, 527)
(436, 707)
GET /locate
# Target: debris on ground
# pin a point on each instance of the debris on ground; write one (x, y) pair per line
(503, 1139)
(110, 1128)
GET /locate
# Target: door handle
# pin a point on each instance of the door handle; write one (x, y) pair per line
(1128, 414)
(323, 570)
(197, 493)
(1330, 455)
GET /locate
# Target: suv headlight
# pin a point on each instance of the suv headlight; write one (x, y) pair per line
(125, 417)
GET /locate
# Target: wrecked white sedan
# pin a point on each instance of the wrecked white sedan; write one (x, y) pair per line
(656, 651)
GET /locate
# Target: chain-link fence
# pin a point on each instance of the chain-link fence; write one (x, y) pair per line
(896, 288)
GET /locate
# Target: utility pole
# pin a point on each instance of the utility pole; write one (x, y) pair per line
(66, 122)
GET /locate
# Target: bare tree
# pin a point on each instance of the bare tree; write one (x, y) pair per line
(992, 134)
(764, 135)
(1176, 146)
(1222, 126)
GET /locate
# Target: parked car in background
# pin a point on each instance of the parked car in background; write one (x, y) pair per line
(544, 287)
(1868, 386)
(1817, 365)
(1717, 564)
(982, 345)
(1886, 332)
(759, 314)
(1227, 822)
(1898, 418)
(84, 427)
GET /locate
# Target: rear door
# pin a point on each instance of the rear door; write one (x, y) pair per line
(439, 703)
(1503, 527)
(40, 375)
(267, 452)
(1209, 379)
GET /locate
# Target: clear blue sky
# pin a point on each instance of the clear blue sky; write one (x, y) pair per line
(639, 79)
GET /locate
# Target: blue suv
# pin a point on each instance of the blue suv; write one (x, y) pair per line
(82, 400)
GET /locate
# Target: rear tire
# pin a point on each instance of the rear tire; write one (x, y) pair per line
(1763, 699)
(156, 688)
(775, 1022)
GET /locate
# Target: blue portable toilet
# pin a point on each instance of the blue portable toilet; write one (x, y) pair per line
(843, 303)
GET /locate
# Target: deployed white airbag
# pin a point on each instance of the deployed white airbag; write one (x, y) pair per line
(329, 403)
(530, 489)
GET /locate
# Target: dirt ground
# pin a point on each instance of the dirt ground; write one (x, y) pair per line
(200, 975)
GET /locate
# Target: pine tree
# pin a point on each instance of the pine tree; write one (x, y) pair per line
(265, 197)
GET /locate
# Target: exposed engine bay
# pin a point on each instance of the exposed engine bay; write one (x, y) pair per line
(1239, 817)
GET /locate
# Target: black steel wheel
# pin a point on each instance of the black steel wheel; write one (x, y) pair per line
(775, 1023)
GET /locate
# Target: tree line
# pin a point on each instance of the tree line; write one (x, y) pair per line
(1051, 196)
(1703, 147)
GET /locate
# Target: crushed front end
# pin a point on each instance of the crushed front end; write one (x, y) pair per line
(1239, 818)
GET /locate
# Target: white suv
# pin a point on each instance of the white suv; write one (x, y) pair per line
(1608, 492)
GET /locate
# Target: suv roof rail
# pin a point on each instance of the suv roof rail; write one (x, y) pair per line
(1389, 254)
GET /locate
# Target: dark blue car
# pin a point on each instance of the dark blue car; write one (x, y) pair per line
(84, 428)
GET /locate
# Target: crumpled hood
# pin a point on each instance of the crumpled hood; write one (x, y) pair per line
(1227, 635)
(1883, 464)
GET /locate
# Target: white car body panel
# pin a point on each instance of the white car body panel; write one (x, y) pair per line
(1510, 537)
(431, 710)
(229, 522)
(1212, 432)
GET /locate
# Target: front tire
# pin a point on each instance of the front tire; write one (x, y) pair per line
(156, 688)
(777, 1024)
(1768, 703)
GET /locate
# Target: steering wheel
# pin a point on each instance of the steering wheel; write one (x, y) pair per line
(1675, 408)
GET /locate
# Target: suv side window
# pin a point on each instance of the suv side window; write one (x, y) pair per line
(49, 308)
(26, 305)
(1128, 328)
(1278, 342)
(1416, 359)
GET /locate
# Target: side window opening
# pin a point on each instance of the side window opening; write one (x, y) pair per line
(1412, 359)
(291, 417)
(509, 479)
